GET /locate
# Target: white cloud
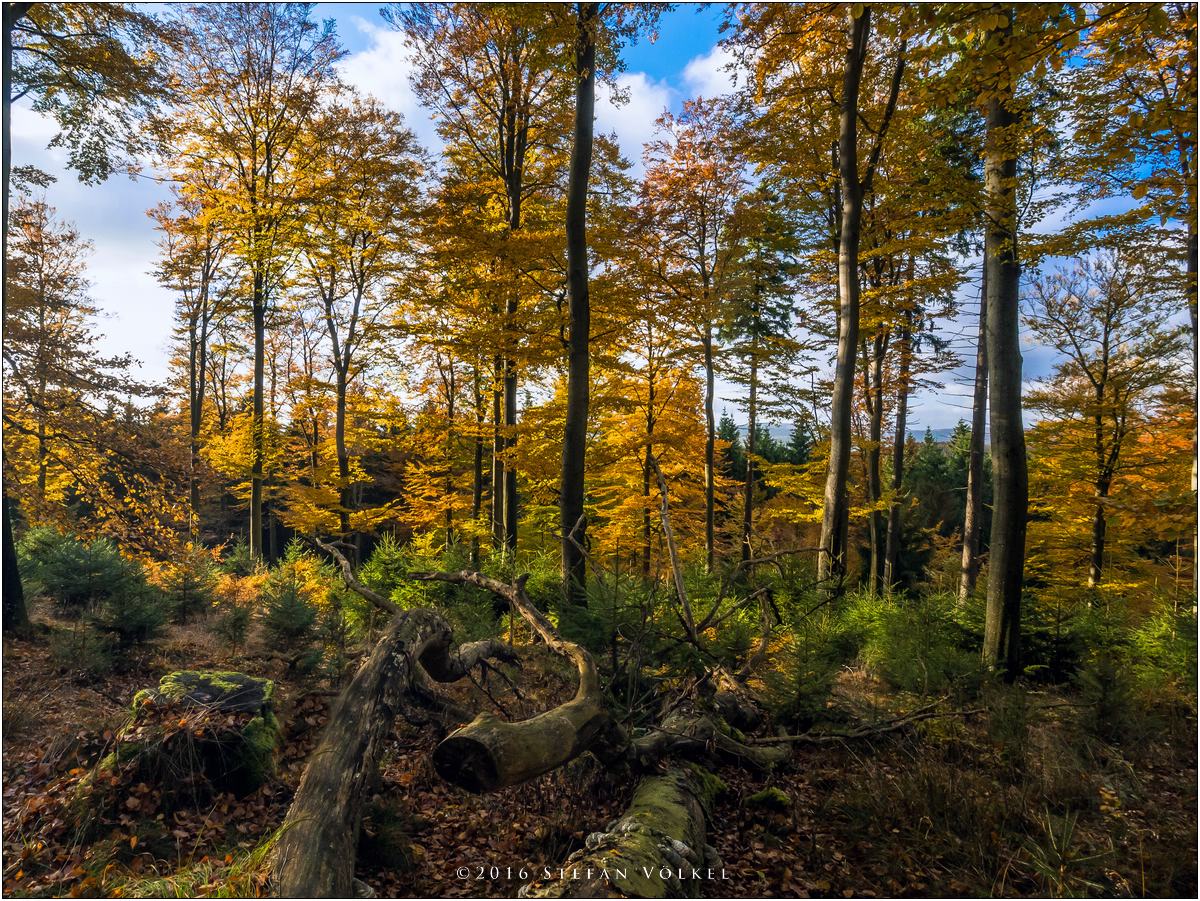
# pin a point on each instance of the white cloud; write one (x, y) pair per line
(135, 311)
(707, 76)
(633, 121)
(383, 70)
(35, 128)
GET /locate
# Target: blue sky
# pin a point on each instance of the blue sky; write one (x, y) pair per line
(684, 62)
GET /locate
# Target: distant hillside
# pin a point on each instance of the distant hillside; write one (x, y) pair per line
(784, 432)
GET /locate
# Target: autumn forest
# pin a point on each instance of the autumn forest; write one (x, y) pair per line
(521, 509)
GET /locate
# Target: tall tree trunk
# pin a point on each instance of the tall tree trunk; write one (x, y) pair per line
(831, 564)
(515, 173)
(710, 448)
(345, 495)
(258, 425)
(497, 456)
(1193, 252)
(15, 616)
(1103, 471)
(891, 555)
(197, 383)
(647, 470)
(752, 415)
(477, 467)
(874, 391)
(973, 518)
(448, 485)
(1002, 625)
(510, 441)
(1099, 532)
(41, 451)
(571, 493)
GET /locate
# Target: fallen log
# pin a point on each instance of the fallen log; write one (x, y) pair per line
(315, 850)
(698, 737)
(871, 730)
(655, 850)
(489, 753)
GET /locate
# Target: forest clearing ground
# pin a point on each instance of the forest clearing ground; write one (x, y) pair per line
(952, 808)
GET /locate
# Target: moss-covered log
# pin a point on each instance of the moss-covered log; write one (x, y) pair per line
(489, 753)
(700, 737)
(316, 846)
(655, 850)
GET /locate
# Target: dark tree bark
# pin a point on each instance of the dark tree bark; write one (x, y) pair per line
(1002, 625)
(15, 615)
(1099, 534)
(510, 471)
(258, 452)
(197, 382)
(571, 492)
(497, 455)
(477, 466)
(973, 518)
(647, 466)
(515, 128)
(831, 561)
(450, 381)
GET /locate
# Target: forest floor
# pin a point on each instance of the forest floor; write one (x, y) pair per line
(954, 807)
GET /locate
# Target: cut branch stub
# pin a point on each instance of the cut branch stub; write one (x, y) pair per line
(489, 753)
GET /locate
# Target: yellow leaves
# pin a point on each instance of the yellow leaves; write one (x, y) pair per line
(991, 21)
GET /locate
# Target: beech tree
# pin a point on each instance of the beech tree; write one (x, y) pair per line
(1103, 316)
(363, 202)
(192, 252)
(571, 492)
(496, 71)
(831, 566)
(250, 78)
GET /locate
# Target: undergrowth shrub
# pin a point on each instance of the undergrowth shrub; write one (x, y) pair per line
(34, 548)
(817, 646)
(1162, 651)
(93, 581)
(189, 583)
(383, 572)
(83, 651)
(471, 611)
(134, 616)
(912, 643)
(80, 577)
(232, 626)
(289, 614)
(237, 560)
